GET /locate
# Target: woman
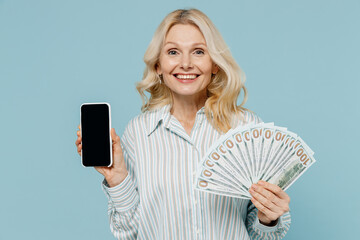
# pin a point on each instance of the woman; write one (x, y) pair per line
(193, 83)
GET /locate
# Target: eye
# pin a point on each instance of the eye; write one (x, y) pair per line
(172, 52)
(199, 51)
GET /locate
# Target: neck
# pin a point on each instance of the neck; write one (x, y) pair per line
(185, 108)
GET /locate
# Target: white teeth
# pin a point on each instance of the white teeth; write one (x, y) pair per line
(186, 76)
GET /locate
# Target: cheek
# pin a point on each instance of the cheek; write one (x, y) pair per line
(168, 65)
(205, 65)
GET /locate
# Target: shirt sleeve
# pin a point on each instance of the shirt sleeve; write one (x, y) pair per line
(123, 199)
(257, 230)
(249, 117)
(257, 119)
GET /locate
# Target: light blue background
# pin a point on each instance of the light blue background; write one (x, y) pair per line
(301, 58)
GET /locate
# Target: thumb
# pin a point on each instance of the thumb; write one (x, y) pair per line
(113, 134)
(115, 141)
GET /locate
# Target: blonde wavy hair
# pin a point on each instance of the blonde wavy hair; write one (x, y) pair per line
(221, 107)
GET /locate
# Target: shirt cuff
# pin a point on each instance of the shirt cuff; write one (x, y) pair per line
(123, 196)
(278, 227)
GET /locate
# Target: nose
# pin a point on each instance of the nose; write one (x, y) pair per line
(186, 62)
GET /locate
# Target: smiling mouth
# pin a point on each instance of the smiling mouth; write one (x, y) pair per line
(186, 76)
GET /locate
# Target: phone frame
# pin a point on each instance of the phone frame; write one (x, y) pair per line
(110, 139)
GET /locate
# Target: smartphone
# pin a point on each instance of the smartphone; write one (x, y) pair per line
(95, 134)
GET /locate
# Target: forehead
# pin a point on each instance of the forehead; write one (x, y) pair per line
(184, 34)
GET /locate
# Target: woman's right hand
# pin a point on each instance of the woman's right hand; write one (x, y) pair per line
(115, 174)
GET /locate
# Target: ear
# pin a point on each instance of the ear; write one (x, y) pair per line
(215, 69)
(158, 69)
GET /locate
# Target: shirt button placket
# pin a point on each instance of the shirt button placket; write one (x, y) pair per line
(197, 196)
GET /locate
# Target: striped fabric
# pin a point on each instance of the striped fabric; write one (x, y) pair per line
(157, 200)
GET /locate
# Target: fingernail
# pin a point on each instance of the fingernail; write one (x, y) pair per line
(261, 183)
(254, 187)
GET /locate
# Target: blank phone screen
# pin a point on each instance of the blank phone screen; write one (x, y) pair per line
(95, 130)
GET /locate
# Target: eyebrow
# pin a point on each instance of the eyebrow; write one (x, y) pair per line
(195, 44)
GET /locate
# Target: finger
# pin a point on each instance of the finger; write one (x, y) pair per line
(79, 127)
(268, 195)
(116, 144)
(78, 133)
(79, 147)
(268, 203)
(275, 190)
(113, 135)
(78, 141)
(268, 213)
(115, 139)
(264, 192)
(281, 203)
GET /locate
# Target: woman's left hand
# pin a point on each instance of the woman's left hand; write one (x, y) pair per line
(271, 201)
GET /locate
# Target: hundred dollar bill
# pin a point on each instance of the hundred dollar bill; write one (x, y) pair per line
(267, 138)
(226, 150)
(286, 146)
(241, 151)
(272, 150)
(289, 146)
(292, 169)
(209, 187)
(257, 145)
(216, 174)
(221, 164)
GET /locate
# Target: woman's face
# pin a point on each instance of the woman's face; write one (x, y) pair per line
(185, 62)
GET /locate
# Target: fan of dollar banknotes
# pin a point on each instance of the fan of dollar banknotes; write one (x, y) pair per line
(250, 153)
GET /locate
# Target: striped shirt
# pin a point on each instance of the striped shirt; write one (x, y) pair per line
(157, 200)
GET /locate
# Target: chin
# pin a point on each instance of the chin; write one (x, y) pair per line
(189, 92)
